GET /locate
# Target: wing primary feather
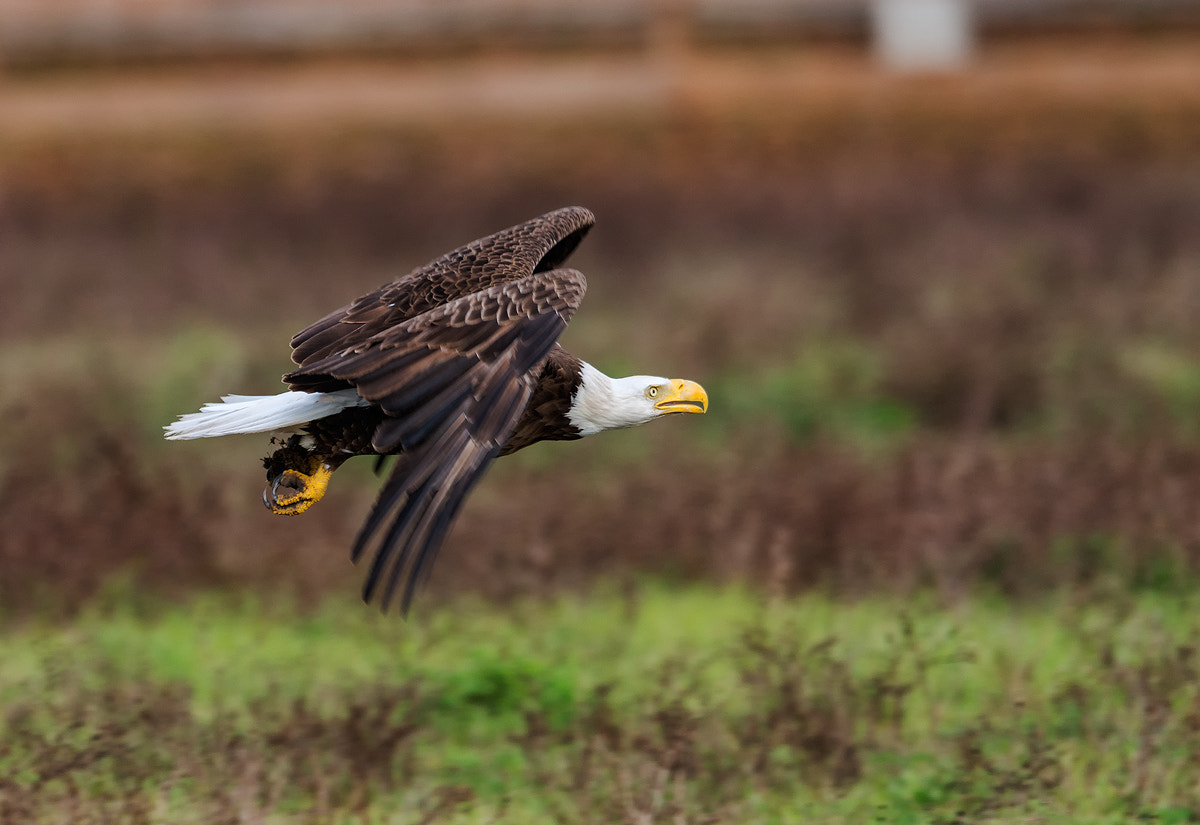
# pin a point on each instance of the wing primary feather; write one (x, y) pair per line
(318, 339)
(357, 366)
(426, 515)
(502, 340)
(387, 558)
(314, 337)
(403, 536)
(394, 363)
(507, 409)
(409, 470)
(443, 519)
(316, 383)
(408, 433)
(405, 532)
(398, 395)
(434, 526)
(538, 340)
(480, 338)
(428, 527)
(408, 479)
(496, 406)
(391, 554)
(388, 497)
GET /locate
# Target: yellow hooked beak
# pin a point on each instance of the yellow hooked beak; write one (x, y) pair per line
(684, 397)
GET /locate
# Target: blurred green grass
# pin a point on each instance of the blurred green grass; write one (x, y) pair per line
(685, 702)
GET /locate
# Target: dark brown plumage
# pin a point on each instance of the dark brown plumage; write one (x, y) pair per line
(450, 356)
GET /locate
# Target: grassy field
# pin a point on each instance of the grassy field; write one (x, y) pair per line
(648, 704)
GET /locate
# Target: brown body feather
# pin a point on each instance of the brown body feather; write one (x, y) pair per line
(460, 363)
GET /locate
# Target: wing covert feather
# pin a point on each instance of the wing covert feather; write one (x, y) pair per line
(538, 245)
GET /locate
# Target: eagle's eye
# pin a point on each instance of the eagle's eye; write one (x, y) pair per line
(652, 392)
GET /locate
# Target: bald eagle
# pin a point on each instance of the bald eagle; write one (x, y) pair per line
(446, 368)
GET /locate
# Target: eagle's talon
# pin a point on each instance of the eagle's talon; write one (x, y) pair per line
(306, 490)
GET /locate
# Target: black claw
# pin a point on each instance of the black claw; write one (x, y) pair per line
(271, 494)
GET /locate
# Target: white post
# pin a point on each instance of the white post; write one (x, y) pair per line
(922, 35)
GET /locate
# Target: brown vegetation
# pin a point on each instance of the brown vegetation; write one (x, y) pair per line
(937, 354)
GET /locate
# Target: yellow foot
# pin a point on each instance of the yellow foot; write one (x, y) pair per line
(292, 492)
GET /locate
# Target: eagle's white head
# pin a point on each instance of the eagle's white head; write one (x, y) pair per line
(605, 403)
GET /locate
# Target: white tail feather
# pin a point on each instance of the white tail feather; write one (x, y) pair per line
(261, 413)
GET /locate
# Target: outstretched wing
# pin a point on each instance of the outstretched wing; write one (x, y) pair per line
(538, 245)
(453, 381)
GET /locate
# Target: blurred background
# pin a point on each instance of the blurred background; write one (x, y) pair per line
(937, 263)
